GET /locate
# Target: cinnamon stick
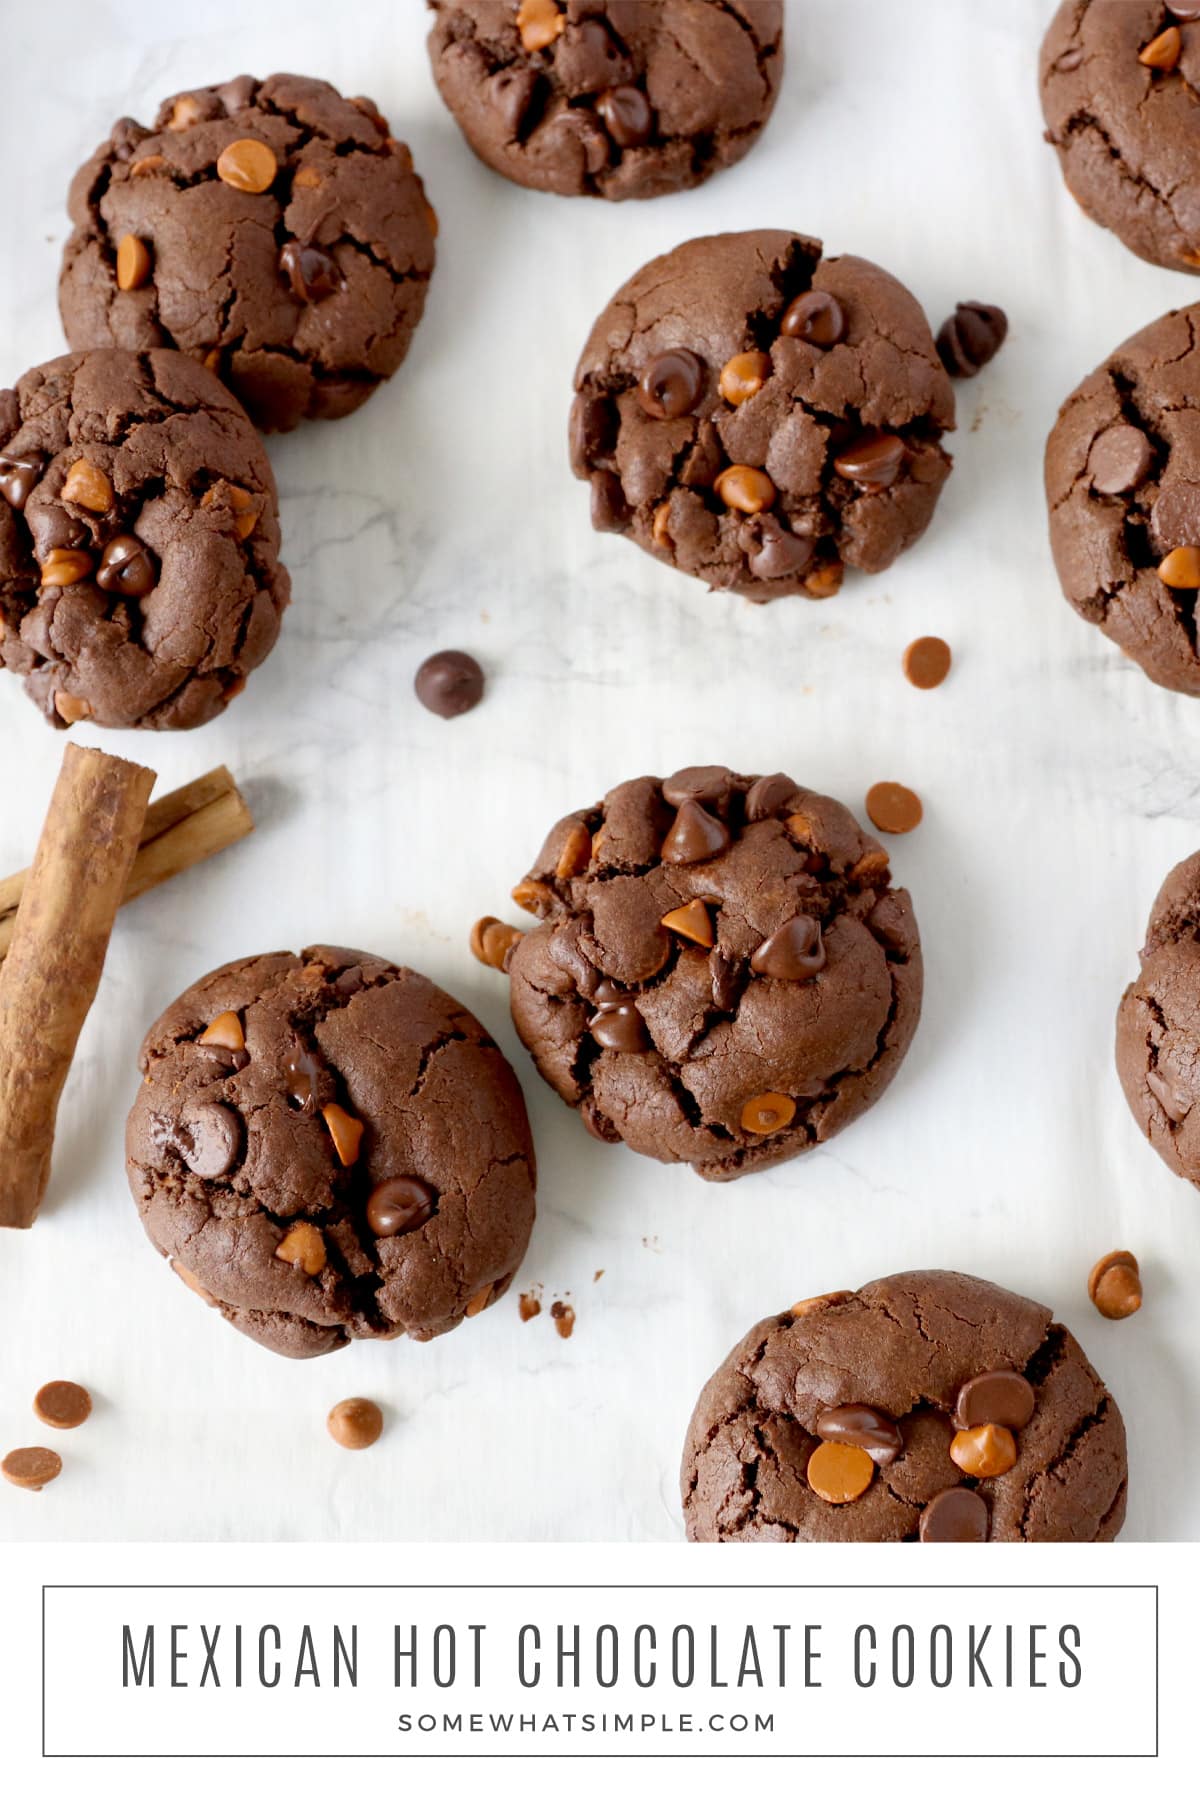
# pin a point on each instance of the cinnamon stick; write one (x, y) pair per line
(49, 978)
(180, 830)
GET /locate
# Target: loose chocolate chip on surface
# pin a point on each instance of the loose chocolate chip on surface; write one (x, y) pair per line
(955, 1516)
(355, 1424)
(792, 953)
(19, 475)
(400, 1205)
(63, 1404)
(873, 460)
(926, 662)
(31, 1468)
(971, 336)
(312, 273)
(695, 835)
(982, 1451)
(767, 1113)
(1115, 1285)
(449, 683)
(627, 116)
(997, 1397)
(893, 807)
(864, 1426)
(672, 384)
(126, 568)
(1120, 459)
(247, 164)
(839, 1472)
(816, 318)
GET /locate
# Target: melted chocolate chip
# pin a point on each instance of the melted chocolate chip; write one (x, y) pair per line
(627, 118)
(771, 551)
(620, 1028)
(610, 509)
(511, 92)
(126, 568)
(873, 460)
(672, 384)
(694, 836)
(400, 1205)
(207, 1139)
(768, 796)
(313, 274)
(302, 1072)
(816, 318)
(725, 974)
(998, 1397)
(593, 430)
(866, 1427)
(793, 953)
(18, 478)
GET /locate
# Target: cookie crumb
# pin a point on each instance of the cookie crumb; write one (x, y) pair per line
(597, 1275)
(529, 1305)
(564, 1318)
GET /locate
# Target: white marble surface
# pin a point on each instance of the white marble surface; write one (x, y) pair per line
(1059, 787)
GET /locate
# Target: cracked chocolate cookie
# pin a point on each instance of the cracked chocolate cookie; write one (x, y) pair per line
(1158, 1026)
(608, 97)
(928, 1406)
(759, 415)
(328, 1147)
(272, 228)
(1120, 81)
(1123, 489)
(140, 580)
(723, 974)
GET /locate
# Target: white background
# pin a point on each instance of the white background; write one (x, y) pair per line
(1059, 788)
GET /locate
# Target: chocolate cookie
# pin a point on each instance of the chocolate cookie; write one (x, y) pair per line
(758, 415)
(1118, 81)
(328, 1147)
(724, 974)
(1123, 488)
(608, 97)
(1158, 1025)
(927, 1406)
(140, 580)
(270, 227)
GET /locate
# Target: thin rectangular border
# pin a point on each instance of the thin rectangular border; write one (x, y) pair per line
(554, 1587)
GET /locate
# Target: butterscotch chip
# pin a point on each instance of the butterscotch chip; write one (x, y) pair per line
(660, 526)
(63, 1404)
(225, 1032)
(190, 1281)
(134, 263)
(88, 486)
(147, 165)
(303, 1247)
(892, 807)
(819, 1302)
(576, 852)
(824, 581)
(984, 1450)
(1163, 51)
(743, 376)
(539, 23)
(244, 506)
(745, 489)
(693, 922)
(839, 1473)
(247, 164)
(306, 177)
(1180, 568)
(478, 1301)
(1115, 1285)
(767, 1113)
(63, 568)
(927, 662)
(71, 708)
(346, 1132)
(187, 111)
(355, 1424)
(533, 896)
(31, 1468)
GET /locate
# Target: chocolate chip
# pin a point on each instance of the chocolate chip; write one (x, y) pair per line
(1121, 458)
(694, 836)
(209, 1139)
(620, 1028)
(63, 1404)
(768, 796)
(725, 974)
(400, 1205)
(793, 953)
(18, 478)
(610, 509)
(302, 1071)
(957, 1515)
(671, 385)
(592, 431)
(511, 92)
(236, 95)
(816, 318)
(864, 1426)
(449, 683)
(998, 1397)
(771, 551)
(313, 274)
(893, 807)
(926, 662)
(355, 1424)
(628, 120)
(126, 568)
(971, 336)
(708, 783)
(873, 460)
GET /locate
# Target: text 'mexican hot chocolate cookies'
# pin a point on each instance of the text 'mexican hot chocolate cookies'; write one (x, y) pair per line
(272, 228)
(1123, 489)
(929, 1406)
(763, 416)
(140, 581)
(618, 99)
(329, 1147)
(723, 974)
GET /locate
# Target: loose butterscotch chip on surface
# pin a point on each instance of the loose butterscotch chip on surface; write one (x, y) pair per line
(88, 486)
(893, 807)
(839, 1473)
(303, 1247)
(247, 164)
(31, 1468)
(63, 1404)
(355, 1424)
(927, 662)
(1115, 1285)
